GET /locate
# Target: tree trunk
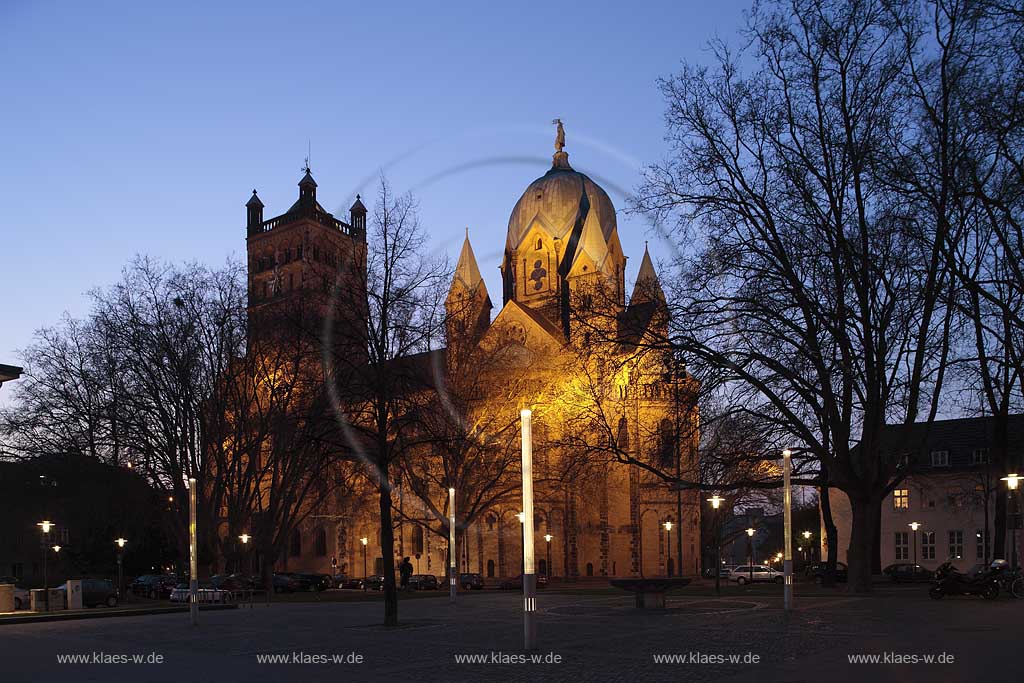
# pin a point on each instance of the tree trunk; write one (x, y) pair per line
(866, 513)
(831, 537)
(387, 551)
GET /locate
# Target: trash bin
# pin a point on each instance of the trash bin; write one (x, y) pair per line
(6, 597)
(74, 592)
(37, 600)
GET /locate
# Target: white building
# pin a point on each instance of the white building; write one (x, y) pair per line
(951, 485)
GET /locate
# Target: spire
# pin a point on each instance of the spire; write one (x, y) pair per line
(307, 186)
(357, 217)
(647, 288)
(254, 212)
(467, 270)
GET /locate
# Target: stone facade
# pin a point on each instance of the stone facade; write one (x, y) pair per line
(604, 519)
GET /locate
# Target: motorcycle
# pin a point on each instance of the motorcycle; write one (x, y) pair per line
(948, 581)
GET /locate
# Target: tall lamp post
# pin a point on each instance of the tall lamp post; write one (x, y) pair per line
(914, 526)
(716, 502)
(244, 538)
(45, 525)
(547, 539)
(529, 575)
(119, 542)
(364, 540)
(451, 545)
(193, 552)
(750, 552)
(787, 547)
(1013, 483)
(808, 555)
(668, 546)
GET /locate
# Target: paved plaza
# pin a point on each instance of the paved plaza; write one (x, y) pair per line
(595, 636)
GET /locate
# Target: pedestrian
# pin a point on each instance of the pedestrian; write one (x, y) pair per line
(405, 571)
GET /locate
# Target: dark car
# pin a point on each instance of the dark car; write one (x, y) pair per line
(95, 592)
(816, 571)
(374, 583)
(907, 572)
(233, 582)
(314, 581)
(285, 583)
(348, 582)
(516, 583)
(423, 582)
(154, 586)
(471, 581)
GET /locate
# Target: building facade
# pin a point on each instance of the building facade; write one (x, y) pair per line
(951, 494)
(596, 515)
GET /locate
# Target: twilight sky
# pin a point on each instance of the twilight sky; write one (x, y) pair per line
(127, 128)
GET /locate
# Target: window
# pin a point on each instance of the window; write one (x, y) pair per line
(490, 569)
(590, 568)
(902, 545)
(295, 548)
(940, 458)
(927, 545)
(954, 496)
(321, 543)
(956, 544)
(979, 456)
(979, 537)
(18, 570)
(543, 567)
(901, 499)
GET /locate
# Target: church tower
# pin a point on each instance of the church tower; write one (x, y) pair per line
(468, 305)
(562, 237)
(306, 269)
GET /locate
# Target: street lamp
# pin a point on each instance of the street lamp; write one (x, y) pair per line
(1012, 484)
(56, 548)
(750, 552)
(547, 538)
(668, 546)
(529, 573)
(364, 540)
(244, 538)
(716, 502)
(787, 531)
(45, 525)
(119, 542)
(914, 526)
(451, 545)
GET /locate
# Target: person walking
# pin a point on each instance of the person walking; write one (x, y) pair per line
(405, 572)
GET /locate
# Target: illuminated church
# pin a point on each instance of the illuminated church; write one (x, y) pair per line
(561, 247)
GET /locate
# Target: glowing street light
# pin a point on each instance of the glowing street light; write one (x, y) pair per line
(120, 543)
(45, 525)
(716, 502)
(547, 539)
(244, 538)
(668, 546)
(750, 551)
(56, 548)
(1012, 483)
(193, 547)
(364, 540)
(914, 526)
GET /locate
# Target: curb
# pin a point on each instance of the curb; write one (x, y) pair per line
(106, 614)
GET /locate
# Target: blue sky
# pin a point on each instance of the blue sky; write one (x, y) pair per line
(130, 127)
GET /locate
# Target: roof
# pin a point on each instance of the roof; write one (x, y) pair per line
(648, 287)
(254, 200)
(959, 437)
(467, 269)
(357, 206)
(9, 373)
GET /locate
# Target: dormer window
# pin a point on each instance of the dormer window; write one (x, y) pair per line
(940, 458)
(540, 244)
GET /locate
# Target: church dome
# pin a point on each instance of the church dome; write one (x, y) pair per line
(557, 201)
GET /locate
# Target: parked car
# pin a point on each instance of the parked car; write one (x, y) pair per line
(471, 581)
(348, 582)
(314, 582)
(423, 582)
(907, 572)
(816, 572)
(285, 583)
(95, 592)
(375, 582)
(154, 586)
(516, 583)
(757, 573)
(233, 582)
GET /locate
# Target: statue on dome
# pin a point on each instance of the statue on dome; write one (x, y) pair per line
(559, 135)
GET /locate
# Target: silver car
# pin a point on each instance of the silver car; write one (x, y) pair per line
(757, 573)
